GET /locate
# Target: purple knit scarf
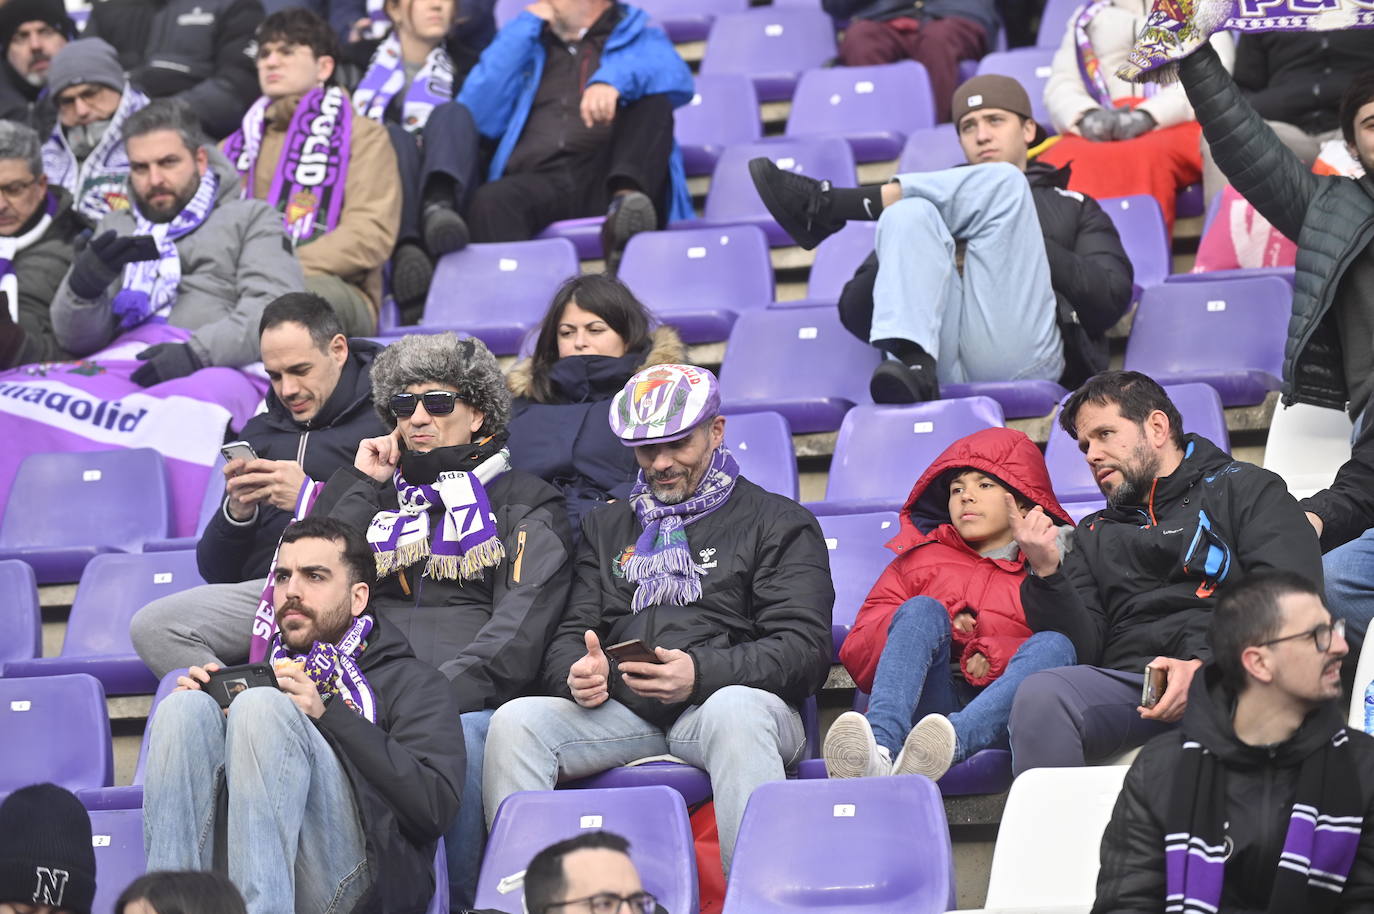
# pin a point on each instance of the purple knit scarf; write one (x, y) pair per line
(334, 667)
(662, 564)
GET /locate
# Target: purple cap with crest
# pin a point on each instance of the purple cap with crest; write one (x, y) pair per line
(663, 403)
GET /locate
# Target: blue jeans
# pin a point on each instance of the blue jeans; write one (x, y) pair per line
(1349, 573)
(294, 837)
(996, 322)
(913, 679)
(467, 837)
(742, 737)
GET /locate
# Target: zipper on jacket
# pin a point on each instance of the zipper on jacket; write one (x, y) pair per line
(300, 450)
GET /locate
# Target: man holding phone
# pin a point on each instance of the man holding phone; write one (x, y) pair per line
(723, 592)
(340, 780)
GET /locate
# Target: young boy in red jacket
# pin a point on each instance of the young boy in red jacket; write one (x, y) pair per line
(954, 590)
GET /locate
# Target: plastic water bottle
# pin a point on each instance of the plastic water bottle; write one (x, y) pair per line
(1369, 708)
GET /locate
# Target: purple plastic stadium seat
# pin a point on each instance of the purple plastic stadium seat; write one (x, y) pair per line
(439, 904)
(987, 771)
(1031, 68)
(20, 618)
(699, 280)
(882, 450)
(131, 796)
(837, 257)
(689, 20)
(762, 445)
(124, 503)
(858, 554)
(724, 111)
(54, 729)
(1140, 223)
(932, 149)
(1018, 399)
(112, 589)
(1190, 202)
(733, 200)
(1228, 334)
(798, 362)
(772, 45)
(210, 503)
(1285, 273)
(874, 108)
(497, 291)
(1054, 22)
(693, 784)
(117, 839)
(653, 819)
(861, 845)
(584, 233)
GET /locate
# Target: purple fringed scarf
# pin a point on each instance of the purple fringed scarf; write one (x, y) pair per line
(265, 618)
(386, 75)
(312, 171)
(662, 564)
(467, 543)
(334, 667)
(150, 286)
(1318, 851)
(10, 248)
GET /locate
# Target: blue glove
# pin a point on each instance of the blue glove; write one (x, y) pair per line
(104, 258)
(165, 362)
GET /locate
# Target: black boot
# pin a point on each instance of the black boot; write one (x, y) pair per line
(910, 378)
(628, 215)
(411, 274)
(444, 230)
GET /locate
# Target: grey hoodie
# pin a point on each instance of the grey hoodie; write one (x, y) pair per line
(236, 263)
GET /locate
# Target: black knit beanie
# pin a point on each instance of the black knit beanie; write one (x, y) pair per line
(45, 849)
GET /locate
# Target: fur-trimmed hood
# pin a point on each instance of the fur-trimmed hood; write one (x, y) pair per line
(665, 346)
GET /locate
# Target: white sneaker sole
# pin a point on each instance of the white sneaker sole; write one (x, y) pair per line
(849, 746)
(928, 749)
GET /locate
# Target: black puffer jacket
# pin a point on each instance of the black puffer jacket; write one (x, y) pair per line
(763, 619)
(1261, 783)
(229, 553)
(1298, 77)
(486, 635)
(1346, 507)
(406, 770)
(1330, 218)
(983, 12)
(1142, 580)
(1089, 272)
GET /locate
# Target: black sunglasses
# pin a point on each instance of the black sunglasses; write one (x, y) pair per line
(437, 403)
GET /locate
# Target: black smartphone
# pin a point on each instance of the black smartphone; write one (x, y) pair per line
(634, 651)
(1152, 689)
(226, 684)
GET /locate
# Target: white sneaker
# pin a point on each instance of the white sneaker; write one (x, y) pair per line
(928, 749)
(850, 750)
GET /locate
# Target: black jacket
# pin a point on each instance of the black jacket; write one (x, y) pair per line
(406, 770)
(1298, 77)
(983, 12)
(1089, 272)
(1141, 580)
(40, 269)
(229, 553)
(1347, 506)
(1330, 218)
(763, 619)
(486, 635)
(1261, 783)
(199, 50)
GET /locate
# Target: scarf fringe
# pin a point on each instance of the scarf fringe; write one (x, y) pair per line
(470, 566)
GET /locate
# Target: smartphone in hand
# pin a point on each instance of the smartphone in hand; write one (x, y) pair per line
(634, 651)
(1152, 689)
(238, 450)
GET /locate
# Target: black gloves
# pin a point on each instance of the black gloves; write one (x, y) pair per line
(165, 362)
(101, 261)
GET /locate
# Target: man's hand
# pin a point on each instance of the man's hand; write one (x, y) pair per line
(196, 677)
(589, 678)
(963, 621)
(1317, 523)
(978, 666)
(99, 263)
(1036, 536)
(377, 457)
(165, 362)
(1178, 676)
(276, 482)
(292, 680)
(598, 104)
(670, 681)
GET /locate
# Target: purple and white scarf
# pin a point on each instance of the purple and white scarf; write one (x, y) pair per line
(1089, 64)
(150, 286)
(386, 75)
(100, 184)
(1318, 850)
(662, 564)
(334, 667)
(466, 544)
(11, 246)
(1177, 28)
(265, 617)
(312, 170)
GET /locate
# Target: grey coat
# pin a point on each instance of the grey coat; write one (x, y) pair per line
(1330, 218)
(235, 264)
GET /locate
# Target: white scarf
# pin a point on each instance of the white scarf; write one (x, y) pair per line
(9, 249)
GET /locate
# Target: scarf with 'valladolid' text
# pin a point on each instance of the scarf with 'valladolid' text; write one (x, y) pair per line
(386, 75)
(334, 667)
(312, 170)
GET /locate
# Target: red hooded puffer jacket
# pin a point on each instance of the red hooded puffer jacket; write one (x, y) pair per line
(940, 565)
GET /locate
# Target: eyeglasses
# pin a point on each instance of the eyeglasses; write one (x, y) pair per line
(14, 191)
(611, 903)
(437, 403)
(85, 96)
(1321, 635)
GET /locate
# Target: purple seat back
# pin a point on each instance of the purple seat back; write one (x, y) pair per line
(584, 233)
(699, 280)
(837, 258)
(694, 784)
(55, 729)
(772, 45)
(689, 20)
(762, 444)
(733, 198)
(932, 149)
(860, 845)
(724, 111)
(1140, 223)
(652, 819)
(857, 544)
(1031, 68)
(497, 291)
(882, 450)
(131, 796)
(20, 617)
(874, 108)
(506, 10)
(1054, 22)
(210, 502)
(439, 903)
(1018, 399)
(117, 838)
(798, 362)
(1229, 334)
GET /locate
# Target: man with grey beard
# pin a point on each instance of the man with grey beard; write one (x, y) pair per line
(1184, 523)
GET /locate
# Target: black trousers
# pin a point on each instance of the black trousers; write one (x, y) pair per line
(449, 146)
(516, 207)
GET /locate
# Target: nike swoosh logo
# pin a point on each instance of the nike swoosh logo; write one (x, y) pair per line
(868, 207)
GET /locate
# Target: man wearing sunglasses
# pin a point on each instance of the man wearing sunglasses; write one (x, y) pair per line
(1258, 800)
(474, 559)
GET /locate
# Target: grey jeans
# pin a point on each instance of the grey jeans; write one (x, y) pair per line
(212, 623)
